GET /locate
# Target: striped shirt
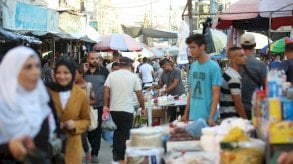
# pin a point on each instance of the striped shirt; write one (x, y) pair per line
(231, 85)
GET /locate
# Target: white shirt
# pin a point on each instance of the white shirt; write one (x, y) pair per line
(146, 71)
(109, 67)
(122, 84)
(64, 96)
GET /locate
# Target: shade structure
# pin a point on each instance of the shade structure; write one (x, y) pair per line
(277, 46)
(146, 51)
(173, 51)
(118, 42)
(219, 39)
(158, 53)
(255, 14)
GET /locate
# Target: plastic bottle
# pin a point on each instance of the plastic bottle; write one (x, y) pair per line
(272, 85)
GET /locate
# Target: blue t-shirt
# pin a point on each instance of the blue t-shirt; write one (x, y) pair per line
(202, 77)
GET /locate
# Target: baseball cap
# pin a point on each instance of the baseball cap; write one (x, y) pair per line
(247, 39)
(125, 61)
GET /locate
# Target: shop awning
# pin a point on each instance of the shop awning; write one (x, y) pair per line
(14, 36)
(59, 35)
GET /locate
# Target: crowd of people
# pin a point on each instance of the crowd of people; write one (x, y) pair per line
(35, 110)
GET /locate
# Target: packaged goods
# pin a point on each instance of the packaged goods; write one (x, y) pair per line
(146, 137)
(245, 152)
(207, 140)
(180, 134)
(281, 133)
(144, 156)
(287, 109)
(275, 112)
(236, 134)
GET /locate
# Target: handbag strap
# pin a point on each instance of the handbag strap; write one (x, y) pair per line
(88, 89)
(251, 76)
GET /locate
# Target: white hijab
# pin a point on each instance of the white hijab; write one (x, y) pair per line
(21, 112)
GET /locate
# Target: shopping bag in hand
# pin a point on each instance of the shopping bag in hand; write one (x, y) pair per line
(94, 119)
(109, 124)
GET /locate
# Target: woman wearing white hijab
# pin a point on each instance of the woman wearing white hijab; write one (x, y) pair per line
(26, 120)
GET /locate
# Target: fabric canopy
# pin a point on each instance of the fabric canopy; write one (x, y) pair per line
(9, 35)
(255, 14)
(134, 32)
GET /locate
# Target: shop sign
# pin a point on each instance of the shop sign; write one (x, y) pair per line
(94, 24)
(70, 23)
(30, 17)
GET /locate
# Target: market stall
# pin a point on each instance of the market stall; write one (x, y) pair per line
(232, 141)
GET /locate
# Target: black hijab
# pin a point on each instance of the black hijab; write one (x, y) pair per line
(68, 62)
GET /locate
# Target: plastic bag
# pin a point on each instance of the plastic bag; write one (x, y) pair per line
(109, 124)
(94, 119)
(195, 128)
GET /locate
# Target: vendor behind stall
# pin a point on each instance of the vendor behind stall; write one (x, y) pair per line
(171, 77)
(230, 99)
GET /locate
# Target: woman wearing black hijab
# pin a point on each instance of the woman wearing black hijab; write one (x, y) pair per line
(72, 106)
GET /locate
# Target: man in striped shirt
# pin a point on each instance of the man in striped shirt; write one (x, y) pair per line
(230, 99)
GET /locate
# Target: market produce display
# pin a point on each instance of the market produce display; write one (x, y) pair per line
(180, 134)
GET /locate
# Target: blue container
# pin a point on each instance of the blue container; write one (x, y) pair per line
(287, 109)
(273, 89)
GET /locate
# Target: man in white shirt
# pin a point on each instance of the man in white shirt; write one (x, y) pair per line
(146, 72)
(119, 88)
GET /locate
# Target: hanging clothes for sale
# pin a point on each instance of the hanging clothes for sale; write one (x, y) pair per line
(208, 36)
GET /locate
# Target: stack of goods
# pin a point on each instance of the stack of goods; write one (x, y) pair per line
(238, 148)
(145, 146)
(212, 136)
(181, 138)
(273, 110)
(180, 134)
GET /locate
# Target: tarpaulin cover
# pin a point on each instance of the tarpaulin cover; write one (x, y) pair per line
(134, 32)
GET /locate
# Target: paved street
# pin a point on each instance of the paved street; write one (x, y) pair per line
(105, 156)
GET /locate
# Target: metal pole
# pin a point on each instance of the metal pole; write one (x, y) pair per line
(270, 31)
(54, 48)
(190, 15)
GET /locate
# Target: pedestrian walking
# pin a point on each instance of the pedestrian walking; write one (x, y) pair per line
(97, 76)
(204, 83)
(72, 106)
(230, 99)
(26, 118)
(253, 73)
(146, 72)
(119, 87)
(87, 87)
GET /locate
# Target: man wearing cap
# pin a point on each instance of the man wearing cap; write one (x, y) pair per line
(253, 74)
(119, 87)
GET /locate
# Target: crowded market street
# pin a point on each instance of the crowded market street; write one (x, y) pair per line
(146, 81)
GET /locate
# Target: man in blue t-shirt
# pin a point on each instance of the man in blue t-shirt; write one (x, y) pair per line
(205, 80)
